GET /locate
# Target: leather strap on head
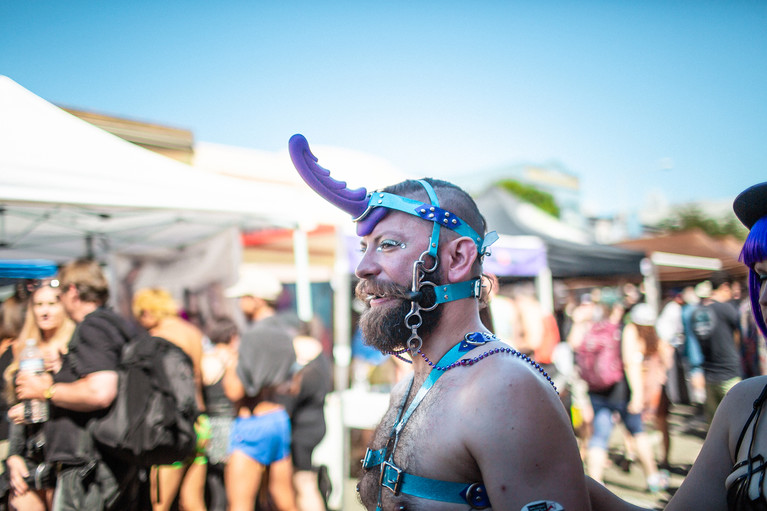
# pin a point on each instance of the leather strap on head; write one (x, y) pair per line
(431, 212)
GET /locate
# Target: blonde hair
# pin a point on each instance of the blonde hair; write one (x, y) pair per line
(30, 330)
(155, 300)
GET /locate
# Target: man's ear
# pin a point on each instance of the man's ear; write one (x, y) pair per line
(459, 259)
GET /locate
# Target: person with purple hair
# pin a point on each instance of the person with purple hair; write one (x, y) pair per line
(730, 471)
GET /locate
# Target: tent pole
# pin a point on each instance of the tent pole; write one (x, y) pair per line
(342, 351)
(545, 288)
(303, 285)
(651, 283)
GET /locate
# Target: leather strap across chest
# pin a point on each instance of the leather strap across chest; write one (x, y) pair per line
(396, 480)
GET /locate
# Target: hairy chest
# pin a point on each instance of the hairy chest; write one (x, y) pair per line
(430, 445)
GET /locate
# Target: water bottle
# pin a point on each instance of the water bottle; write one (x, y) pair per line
(31, 362)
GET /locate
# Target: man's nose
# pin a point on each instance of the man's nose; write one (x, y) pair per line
(367, 266)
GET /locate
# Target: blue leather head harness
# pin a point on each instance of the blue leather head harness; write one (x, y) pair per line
(367, 209)
(430, 212)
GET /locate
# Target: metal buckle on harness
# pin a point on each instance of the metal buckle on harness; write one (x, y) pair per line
(386, 481)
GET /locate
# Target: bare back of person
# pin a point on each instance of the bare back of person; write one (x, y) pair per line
(188, 478)
(183, 334)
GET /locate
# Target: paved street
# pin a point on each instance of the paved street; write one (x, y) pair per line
(687, 434)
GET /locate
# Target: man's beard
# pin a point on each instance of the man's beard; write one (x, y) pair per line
(384, 327)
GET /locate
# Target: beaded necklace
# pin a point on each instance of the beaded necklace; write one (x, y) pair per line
(470, 341)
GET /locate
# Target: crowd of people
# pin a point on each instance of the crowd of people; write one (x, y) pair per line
(479, 421)
(260, 387)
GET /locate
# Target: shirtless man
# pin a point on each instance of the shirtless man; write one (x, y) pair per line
(480, 428)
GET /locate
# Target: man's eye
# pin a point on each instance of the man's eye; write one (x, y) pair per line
(387, 244)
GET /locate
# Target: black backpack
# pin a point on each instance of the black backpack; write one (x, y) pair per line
(703, 322)
(151, 421)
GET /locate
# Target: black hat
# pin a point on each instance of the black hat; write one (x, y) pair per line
(751, 204)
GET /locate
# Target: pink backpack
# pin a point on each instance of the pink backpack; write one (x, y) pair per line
(599, 356)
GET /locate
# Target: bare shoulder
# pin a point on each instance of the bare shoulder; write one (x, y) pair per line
(742, 396)
(509, 390)
(508, 375)
(737, 405)
(181, 333)
(525, 450)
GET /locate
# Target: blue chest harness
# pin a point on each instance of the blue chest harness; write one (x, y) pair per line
(395, 479)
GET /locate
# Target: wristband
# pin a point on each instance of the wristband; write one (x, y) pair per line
(49, 392)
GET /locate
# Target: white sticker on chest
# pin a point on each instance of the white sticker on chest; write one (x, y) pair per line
(543, 505)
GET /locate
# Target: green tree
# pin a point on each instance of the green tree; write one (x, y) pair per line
(530, 194)
(691, 217)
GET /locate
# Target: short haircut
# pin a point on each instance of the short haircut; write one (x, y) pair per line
(720, 278)
(221, 330)
(451, 198)
(87, 277)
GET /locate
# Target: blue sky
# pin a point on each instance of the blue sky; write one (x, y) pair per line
(614, 91)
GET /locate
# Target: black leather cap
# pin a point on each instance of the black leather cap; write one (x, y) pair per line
(751, 204)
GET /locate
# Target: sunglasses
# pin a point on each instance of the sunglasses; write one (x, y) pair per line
(39, 283)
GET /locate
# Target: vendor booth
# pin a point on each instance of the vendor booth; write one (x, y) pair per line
(69, 189)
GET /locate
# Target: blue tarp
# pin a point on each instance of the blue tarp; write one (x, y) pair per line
(27, 268)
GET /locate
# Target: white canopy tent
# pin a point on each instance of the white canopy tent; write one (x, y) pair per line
(69, 189)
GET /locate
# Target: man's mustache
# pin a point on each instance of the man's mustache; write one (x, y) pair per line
(367, 289)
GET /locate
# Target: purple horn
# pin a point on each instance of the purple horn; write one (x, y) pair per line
(337, 193)
(354, 202)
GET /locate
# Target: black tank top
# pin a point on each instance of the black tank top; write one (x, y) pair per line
(216, 402)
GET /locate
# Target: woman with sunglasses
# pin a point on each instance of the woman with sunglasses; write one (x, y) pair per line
(47, 323)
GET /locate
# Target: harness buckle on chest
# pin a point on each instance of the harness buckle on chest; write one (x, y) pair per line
(391, 477)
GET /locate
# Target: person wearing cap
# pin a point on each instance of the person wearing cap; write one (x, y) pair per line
(478, 424)
(729, 472)
(260, 437)
(257, 292)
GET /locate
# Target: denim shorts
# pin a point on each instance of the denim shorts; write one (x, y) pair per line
(603, 420)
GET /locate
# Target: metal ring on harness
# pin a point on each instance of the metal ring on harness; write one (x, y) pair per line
(422, 262)
(412, 346)
(435, 304)
(418, 320)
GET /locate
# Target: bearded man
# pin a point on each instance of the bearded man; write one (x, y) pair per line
(478, 425)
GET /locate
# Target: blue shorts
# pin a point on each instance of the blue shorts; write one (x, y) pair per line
(265, 438)
(603, 420)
